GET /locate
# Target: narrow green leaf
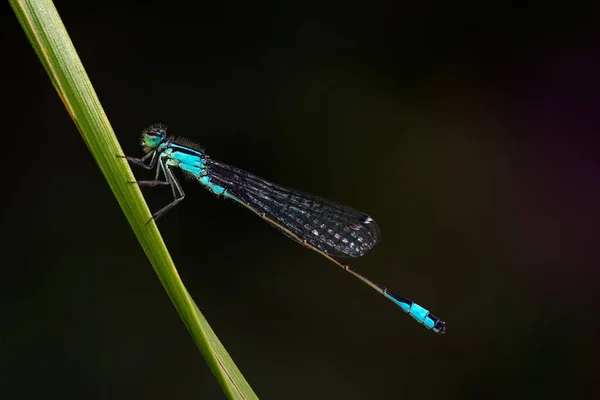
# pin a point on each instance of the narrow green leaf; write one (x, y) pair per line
(50, 40)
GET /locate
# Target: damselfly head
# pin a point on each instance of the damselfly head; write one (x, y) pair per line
(153, 136)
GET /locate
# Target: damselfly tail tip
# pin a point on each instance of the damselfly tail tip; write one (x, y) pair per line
(439, 326)
(419, 314)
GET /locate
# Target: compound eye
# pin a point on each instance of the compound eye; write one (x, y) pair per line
(152, 140)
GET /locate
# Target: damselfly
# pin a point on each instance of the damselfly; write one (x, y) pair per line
(331, 229)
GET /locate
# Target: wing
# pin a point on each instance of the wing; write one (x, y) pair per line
(330, 227)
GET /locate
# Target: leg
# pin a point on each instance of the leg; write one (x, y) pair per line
(150, 183)
(178, 193)
(156, 181)
(140, 161)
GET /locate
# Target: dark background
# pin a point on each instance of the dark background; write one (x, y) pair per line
(469, 132)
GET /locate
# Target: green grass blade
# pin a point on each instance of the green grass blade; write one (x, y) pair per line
(49, 38)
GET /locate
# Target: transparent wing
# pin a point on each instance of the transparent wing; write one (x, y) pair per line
(335, 229)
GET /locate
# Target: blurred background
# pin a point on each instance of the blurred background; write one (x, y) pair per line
(469, 132)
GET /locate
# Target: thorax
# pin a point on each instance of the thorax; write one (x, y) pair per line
(188, 159)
